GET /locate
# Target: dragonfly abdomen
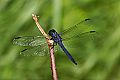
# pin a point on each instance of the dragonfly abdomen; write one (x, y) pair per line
(66, 52)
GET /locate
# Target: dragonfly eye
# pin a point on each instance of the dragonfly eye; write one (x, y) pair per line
(51, 32)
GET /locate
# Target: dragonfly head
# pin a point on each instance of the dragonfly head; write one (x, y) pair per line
(52, 32)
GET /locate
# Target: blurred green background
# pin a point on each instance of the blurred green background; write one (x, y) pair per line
(97, 59)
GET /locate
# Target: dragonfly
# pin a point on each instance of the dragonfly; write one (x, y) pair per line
(39, 46)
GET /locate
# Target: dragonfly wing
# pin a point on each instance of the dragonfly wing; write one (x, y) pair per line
(41, 50)
(29, 40)
(77, 30)
(87, 34)
(80, 40)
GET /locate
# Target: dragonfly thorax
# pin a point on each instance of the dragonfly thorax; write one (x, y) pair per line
(55, 36)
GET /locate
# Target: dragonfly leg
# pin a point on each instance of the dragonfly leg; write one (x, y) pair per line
(51, 39)
(54, 44)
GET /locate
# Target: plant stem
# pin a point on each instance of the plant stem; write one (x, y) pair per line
(53, 66)
(39, 26)
(51, 48)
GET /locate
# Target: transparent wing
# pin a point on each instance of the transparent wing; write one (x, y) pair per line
(79, 40)
(29, 41)
(87, 34)
(78, 30)
(41, 50)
